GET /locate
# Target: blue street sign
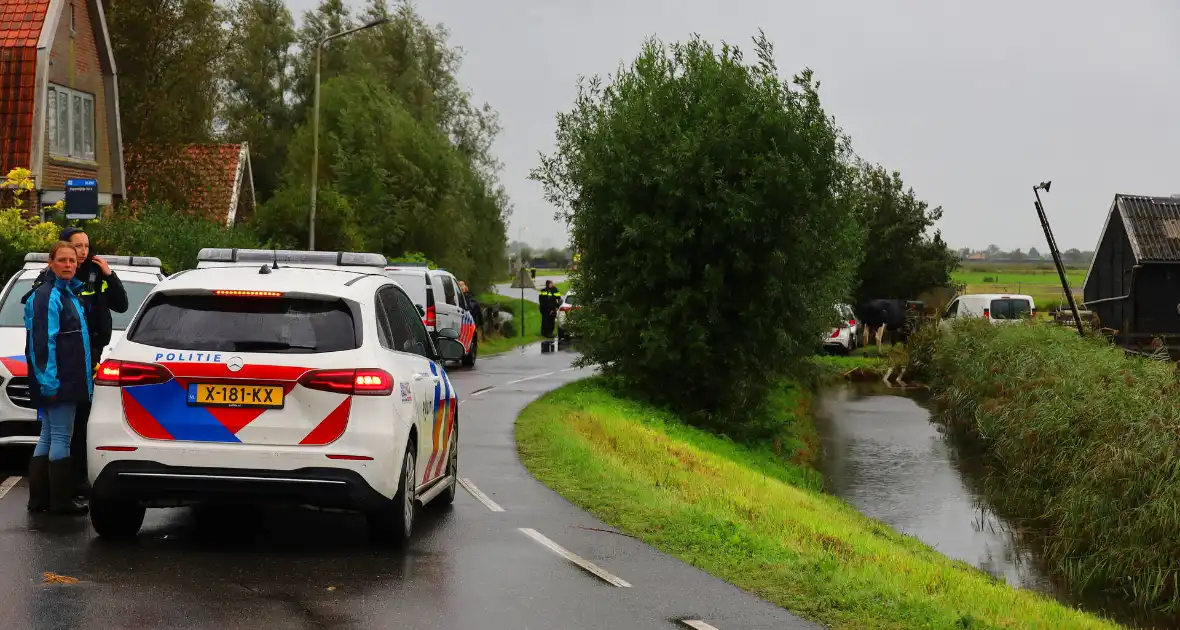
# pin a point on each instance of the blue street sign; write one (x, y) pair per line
(81, 198)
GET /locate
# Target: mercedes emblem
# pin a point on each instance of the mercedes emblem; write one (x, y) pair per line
(234, 364)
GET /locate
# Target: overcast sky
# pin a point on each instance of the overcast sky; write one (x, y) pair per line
(973, 102)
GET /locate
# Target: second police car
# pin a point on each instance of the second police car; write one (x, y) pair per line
(309, 381)
(440, 303)
(18, 418)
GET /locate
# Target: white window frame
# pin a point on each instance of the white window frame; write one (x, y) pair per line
(79, 139)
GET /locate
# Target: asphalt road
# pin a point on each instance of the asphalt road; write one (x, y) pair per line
(477, 565)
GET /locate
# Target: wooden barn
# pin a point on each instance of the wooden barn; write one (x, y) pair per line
(1133, 284)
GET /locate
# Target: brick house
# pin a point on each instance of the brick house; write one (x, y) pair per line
(59, 97)
(214, 181)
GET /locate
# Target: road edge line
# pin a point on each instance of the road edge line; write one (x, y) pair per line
(528, 378)
(8, 484)
(697, 624)
(479, 495)
(575, 558)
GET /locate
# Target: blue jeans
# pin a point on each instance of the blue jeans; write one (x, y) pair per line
(57, 428)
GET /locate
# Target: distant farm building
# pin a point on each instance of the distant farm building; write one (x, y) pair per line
(1133, 284)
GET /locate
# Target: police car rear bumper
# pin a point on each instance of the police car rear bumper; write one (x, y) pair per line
(158, 485)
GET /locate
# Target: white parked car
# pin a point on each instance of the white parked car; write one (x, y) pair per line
(435, 293)
(997, 308)
(310, 383)
(18, 418)
(568, 303)
(843, 338)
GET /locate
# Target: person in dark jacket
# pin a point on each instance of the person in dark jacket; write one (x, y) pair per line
(102, 292)
(472, 305)
(57, 350)
(549, 301)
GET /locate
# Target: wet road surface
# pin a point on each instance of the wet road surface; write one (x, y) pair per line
(467, 567)
(884, 457)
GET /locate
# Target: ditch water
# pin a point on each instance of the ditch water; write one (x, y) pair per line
(884, 456)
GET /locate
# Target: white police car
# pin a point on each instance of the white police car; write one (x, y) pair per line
(310, 382)
(18, 418)
(435, 292)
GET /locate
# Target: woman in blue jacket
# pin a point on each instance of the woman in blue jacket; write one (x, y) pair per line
(57, 349)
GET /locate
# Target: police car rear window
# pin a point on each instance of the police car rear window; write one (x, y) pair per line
(414, 283)
(12, 312)
(136, 292)
(234, 324)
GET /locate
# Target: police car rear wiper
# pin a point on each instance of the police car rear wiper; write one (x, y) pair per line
(247, 346)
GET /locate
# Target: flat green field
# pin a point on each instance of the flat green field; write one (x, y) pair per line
(1042, 283)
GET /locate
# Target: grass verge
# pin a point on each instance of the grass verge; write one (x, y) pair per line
(751, 518)
(1085, 446)
(495, 344)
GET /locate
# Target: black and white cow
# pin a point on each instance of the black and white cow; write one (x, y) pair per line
(878, 316)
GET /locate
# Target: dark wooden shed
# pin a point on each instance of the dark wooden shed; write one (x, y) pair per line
(1133, 284)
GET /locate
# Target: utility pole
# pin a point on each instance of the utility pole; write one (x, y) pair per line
(315, 124)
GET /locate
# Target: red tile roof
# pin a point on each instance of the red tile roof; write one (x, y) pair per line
(20, 27)
(21, 21)
(210, 170)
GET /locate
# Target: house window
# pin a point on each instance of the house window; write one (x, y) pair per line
(71, 123)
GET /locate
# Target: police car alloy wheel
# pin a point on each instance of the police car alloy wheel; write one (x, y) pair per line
(394, 522)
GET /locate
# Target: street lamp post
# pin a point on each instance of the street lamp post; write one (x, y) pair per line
(523, 273)
(315, 123)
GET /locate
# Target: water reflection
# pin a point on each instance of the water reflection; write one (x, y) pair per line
(884, 457)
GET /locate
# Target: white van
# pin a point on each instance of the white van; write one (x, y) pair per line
(435, 293)
(997, 308)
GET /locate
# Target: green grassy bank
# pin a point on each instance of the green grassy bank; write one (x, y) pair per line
(1085, 446)
(757, 517)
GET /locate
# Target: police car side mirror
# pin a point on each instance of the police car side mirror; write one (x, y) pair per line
(421, 311)
(448, 333)
(450, 350)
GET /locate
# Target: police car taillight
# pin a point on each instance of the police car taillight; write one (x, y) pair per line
(363, 382)
(114, 373)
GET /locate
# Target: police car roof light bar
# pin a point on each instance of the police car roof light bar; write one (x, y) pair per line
(126, 261)
(290, 256)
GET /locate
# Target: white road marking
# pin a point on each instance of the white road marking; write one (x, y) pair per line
(570, 369)
(697, 624)
(479, 495)
(7, 485)
(575, 558)
(529, 378)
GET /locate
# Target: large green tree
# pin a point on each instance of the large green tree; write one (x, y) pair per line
(256, 76)
(704, 194)
(167, 53)
(902, 256)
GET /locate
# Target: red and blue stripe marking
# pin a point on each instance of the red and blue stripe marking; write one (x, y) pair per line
(15, 365)
(466, 330)
(445, 408)
(161, 411)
